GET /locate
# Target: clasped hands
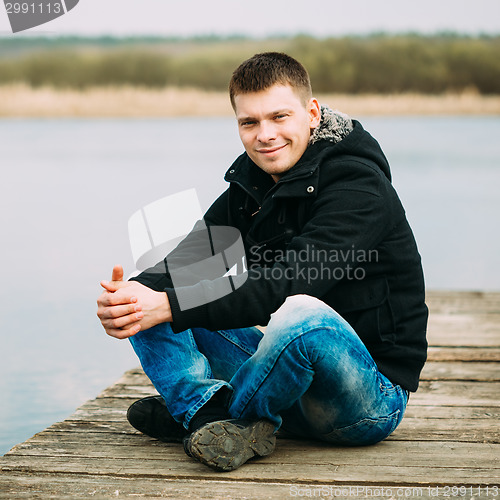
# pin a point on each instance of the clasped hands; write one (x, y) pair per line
(127, 307)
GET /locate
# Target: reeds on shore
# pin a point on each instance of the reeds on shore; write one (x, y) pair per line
(21, 100)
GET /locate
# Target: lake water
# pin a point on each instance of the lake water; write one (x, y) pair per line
(69, 187)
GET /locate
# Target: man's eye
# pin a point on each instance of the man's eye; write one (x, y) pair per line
(279, 117)
(247, 124)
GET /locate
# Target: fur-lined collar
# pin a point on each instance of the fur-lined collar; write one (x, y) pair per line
(334, 126)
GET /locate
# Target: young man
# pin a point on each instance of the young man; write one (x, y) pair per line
(333, 271)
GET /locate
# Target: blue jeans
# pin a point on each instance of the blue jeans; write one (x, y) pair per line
(309, 374)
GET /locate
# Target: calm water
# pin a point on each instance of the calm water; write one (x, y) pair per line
(69, 187)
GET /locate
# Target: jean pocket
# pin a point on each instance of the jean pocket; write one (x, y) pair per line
(364, 432)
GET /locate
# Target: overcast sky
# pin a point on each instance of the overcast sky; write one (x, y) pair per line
(270, 17)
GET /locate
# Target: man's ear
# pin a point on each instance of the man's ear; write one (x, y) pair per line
(314, 110)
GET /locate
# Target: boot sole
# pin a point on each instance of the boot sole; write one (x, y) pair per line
(224, 446)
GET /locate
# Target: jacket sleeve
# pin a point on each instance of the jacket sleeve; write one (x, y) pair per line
(352, 213)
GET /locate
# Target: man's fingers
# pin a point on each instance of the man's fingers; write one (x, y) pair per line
(113, 286)
(117, 274)
(116, 280)
(115, 299)
(119, 313)
(124, 333)
(122, 322)
(119, 321)
(113, 312)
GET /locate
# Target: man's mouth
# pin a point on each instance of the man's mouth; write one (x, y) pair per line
(270, 151)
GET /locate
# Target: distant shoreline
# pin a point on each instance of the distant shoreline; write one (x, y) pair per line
(22, 101)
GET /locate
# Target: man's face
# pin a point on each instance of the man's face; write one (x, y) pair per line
(275, 127)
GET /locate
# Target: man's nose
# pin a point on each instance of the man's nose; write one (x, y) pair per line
(267, 132)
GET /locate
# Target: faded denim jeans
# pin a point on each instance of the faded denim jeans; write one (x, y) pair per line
(309, 374)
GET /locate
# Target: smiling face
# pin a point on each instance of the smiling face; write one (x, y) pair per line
(275, 126)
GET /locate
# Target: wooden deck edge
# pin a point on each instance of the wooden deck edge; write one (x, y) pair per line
(449, 438)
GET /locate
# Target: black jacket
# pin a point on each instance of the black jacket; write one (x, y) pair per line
(334, 228)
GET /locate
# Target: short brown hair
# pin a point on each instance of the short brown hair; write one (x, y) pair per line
(264, 70)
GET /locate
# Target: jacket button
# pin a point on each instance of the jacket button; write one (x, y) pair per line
(231, 171)
(310, 189)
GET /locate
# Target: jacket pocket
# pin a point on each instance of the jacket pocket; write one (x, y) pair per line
(366, 306)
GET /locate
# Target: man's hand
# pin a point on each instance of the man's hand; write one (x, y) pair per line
(126, 307)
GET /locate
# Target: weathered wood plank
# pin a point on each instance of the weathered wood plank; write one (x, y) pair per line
(87, 426)
(466, 354)
(450, 302)
(63, 439)
(451, 393)
(84, 486)
(462, 371)
(20, 486)
(455, 412)
(288, 451)
(448, 429)
(135, 376)
(450, 471)
(464, 319)
(103, 409)
(467, 330)
(126, 391)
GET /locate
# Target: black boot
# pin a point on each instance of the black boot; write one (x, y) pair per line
(151, 417)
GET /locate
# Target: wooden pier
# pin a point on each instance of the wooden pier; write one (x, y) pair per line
(448, 445)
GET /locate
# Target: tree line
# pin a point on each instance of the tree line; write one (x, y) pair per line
(370, 64)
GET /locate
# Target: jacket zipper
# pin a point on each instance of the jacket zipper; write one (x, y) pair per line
(301, 176)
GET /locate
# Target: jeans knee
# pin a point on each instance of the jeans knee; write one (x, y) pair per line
(303, 301)
(298, 315)
(303, 310)
(302, 304)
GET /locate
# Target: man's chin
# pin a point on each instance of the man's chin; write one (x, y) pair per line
(274, 169)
